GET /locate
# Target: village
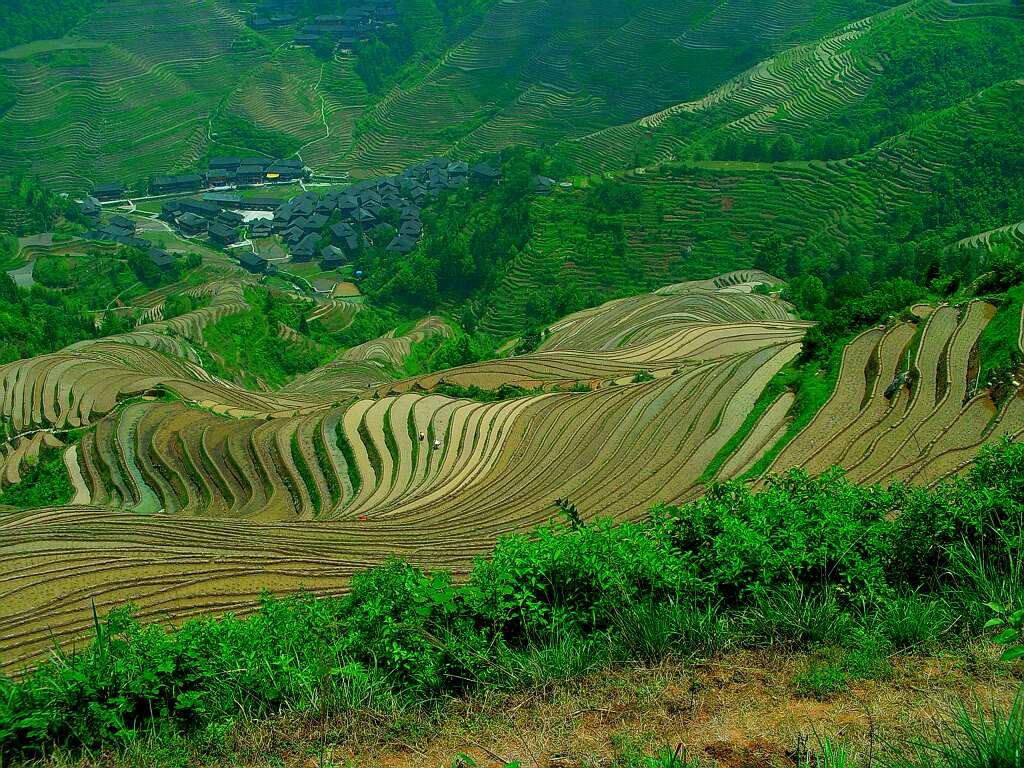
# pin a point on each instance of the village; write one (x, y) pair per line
(235, 205)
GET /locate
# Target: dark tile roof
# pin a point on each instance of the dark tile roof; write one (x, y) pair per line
(123, 222)
(220, 231)
(160, 257)
(402, 244)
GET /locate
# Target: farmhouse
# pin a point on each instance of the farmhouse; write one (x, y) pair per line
(223, 234)
(259, 204)
(542, 185)
(303, 207)
(112, 191)
(314, 223)
(190, 224)
(261, 228)
(342, 229)
(412, 228)
(332, 257)
(347, 205)
(161, 258)
(119, 226)
(230, 218)
(251, 173)
(305, 249)
(292, 235)
(201, 208)
(223, 199)
(324, 287)
(162, 185)
(223, 163)
(90, 208)
(285, 170)
(134, 242)
(401, 244)
(254, 262)
(363, 216)
(484, 173)
(169, 211)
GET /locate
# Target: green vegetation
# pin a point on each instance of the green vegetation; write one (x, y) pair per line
(8, 93)
(98, 278)
(928, 68)
(807, 563)
(237, 134)
(27, 207)
(178, 304)
(21, 21)
(381, 57)
(249, 348)
(44, 483)
(36, 321)
(439, 353)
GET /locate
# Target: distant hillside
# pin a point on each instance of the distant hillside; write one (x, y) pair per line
(25, 20)
(147, 87)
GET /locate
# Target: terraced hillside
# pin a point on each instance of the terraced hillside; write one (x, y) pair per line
(908, 406)
(192, 494)
(692, 222)
(143, 86)
(350, 463)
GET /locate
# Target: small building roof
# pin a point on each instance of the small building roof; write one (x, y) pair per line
(190, 220)
(222, 198)
(160, 257)
(222, 231)
(401, 244)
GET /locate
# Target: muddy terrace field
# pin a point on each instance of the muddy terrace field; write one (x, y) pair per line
(192, 495)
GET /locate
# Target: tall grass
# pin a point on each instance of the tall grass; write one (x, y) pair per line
(978, 737)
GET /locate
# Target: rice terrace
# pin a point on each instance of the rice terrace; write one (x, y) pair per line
(512, 382)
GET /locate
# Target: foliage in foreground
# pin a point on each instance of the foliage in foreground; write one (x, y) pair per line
(806, 562)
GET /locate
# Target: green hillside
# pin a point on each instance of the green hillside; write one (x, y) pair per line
(142, 87)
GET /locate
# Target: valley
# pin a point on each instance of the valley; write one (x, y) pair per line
(359, 358)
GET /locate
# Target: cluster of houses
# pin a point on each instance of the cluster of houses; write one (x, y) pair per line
(221, 172)
(205, 217)
(273, 14)
(121, 230)
(332, 227)
(357, 23)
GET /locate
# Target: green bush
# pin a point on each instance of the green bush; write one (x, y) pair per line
(807, 563)
(44, 482)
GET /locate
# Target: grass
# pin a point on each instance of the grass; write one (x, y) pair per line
(1000, 345)
(354, 478)
(813, 387)
(634, 716)
(306, 475)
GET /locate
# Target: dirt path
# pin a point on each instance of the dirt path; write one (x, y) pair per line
(734, 711)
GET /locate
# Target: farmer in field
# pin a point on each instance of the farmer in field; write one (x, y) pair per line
(437, 445)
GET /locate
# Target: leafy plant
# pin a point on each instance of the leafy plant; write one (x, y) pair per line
(1011, 623)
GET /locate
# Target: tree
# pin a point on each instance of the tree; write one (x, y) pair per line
(770, 256)
(784, 148)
